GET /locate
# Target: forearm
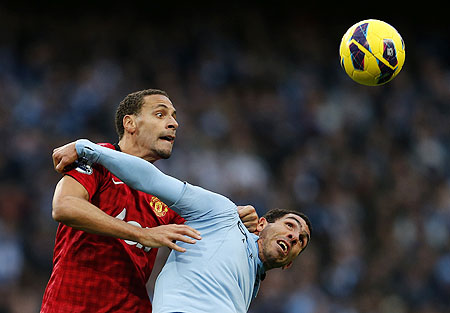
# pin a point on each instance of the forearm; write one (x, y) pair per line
(71, 207)
(135, 172)
(189, 201)
(83, 215)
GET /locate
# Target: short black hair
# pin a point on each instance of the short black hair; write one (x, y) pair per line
(132, 104)
(274, 214)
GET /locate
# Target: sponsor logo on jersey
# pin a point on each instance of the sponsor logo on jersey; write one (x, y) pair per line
(84, 169)
(158, 207)
(122, 215)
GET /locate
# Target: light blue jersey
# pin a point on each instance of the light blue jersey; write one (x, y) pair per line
(220, 273)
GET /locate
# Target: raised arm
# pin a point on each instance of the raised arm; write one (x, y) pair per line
(71, 206)
(133, 171)
(191, 202)
(142, 175)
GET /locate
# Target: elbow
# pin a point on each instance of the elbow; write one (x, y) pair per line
(60, 211)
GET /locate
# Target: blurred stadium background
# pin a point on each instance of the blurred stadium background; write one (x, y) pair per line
(267, 117)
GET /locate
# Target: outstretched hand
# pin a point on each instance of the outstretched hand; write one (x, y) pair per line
(64, 156)
(166, 235)
(249, 217)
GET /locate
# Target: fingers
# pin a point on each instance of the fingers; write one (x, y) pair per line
(56, 157)
(166, 235)
(184, 239)
(57, 162)
(185, 233)
(189, 231)
(247, 213)
(250, 226)
(64, 156)
(181, 233)
(249, 217)
(173, 246)
(60, 166)
(60, 163)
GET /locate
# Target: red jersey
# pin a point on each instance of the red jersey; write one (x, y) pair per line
(93, 273)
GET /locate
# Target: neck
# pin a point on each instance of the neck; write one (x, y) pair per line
(261, 256)
(129, 147)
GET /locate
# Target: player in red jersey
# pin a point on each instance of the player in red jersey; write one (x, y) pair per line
(106, 242)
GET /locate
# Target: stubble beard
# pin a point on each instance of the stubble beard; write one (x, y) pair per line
(163, 153)
(266, 253)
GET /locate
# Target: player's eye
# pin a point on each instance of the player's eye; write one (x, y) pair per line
(159, 114)
(302, 240)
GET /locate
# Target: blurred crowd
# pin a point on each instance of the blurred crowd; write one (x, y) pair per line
(267, 117)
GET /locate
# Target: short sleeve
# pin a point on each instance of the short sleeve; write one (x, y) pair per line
(91, 177)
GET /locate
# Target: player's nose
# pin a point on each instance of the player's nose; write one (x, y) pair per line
(293, 238)
(172, 123)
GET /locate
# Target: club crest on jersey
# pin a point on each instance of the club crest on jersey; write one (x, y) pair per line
(158, 207)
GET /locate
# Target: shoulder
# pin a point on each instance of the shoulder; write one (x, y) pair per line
(92, 177)
(84, 168)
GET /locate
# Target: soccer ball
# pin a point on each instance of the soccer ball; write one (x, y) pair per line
(372, 52)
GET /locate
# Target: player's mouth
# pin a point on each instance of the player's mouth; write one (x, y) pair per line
(284, 246)
(168, 138)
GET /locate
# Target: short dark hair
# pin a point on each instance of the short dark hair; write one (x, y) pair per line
(132, 104)
(275, 214)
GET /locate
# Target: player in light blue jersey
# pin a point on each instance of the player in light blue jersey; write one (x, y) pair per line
(222, 271)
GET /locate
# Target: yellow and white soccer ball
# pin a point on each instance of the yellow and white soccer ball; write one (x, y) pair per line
(372, 52)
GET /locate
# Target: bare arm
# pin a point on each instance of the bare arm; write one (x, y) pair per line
(71, 207)
(67, 154)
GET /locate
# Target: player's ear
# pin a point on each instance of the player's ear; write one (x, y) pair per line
(287, 266)
(262, 223)
(129, 124)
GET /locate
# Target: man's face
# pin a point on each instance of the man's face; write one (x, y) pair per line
(281, 242)
(156, 126)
